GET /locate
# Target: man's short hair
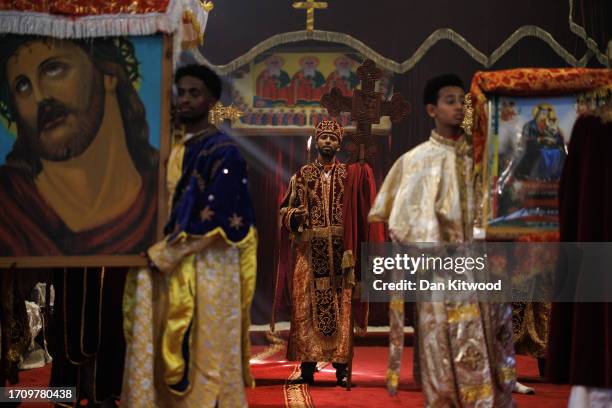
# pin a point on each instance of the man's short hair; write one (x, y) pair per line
(208, 76)
(433, 86)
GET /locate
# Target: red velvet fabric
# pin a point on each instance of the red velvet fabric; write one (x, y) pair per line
(284, 276)
(359, 195)
(272, 160)
(580, 349)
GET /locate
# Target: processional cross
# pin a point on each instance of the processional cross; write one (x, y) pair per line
(366, 107)
(310, 6)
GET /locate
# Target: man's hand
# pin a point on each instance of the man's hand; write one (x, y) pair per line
(150, 263)
(300, 215)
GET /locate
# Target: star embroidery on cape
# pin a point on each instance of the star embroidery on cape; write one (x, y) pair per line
(235, 221)
(206, 214)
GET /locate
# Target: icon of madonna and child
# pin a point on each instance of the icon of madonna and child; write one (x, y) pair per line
(530, 150)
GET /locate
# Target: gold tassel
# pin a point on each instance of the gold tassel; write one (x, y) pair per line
(349, 278)
(392, 379)
(468, 115)
(348, 267)
(348, 260)
(208, 6)
(193, 35)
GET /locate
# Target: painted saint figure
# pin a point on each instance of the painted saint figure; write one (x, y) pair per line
(81, 178)
(307, 85)
(541, 151)
(343, 76)
(272, 84)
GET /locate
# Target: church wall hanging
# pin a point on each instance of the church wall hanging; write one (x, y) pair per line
(85, 92)
(523, 122)
(280, 92)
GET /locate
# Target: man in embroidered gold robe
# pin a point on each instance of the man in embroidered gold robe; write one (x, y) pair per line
(186, 317)
(463, 349)
(326, 213)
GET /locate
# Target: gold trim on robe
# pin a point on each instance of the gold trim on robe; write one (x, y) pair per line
(160, 306)
(223, 275)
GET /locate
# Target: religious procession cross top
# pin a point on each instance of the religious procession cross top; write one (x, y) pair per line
(366, 107)
(310, 6)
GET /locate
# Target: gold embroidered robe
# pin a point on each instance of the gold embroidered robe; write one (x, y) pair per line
(321, 317)
(463, 349)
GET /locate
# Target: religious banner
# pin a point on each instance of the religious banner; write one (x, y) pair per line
(522, 131)
(80, 138)
(282, 92)
(85, 92)
(526, 149)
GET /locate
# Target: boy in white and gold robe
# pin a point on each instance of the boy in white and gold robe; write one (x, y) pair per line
(464, 355)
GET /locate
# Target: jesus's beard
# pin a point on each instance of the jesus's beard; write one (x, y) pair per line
(88, 122)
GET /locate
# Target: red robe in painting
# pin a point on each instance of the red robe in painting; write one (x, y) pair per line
(30, 227)
(87, 328)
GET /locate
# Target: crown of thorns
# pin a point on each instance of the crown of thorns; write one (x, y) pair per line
(118, 50)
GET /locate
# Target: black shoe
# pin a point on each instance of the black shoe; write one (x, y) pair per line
(303, 379)
(542, 367)
(343, 382)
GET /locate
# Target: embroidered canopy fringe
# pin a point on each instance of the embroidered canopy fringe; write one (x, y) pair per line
(106, 25)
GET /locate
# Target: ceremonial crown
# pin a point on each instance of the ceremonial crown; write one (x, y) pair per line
(329, 127)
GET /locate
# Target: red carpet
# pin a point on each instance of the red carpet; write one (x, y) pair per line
(270, 375)
(271, 371)
(38, 377)
(369, 368)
